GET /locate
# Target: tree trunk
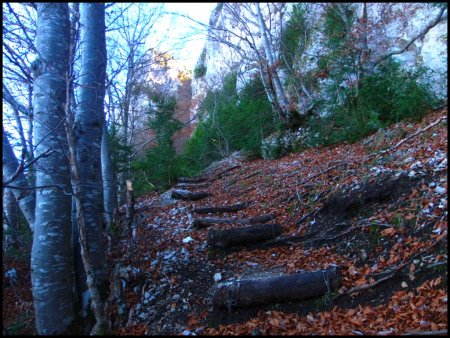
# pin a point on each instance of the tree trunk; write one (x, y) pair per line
(52, 274)
(187, 195)
(271, 69)
(11, 220)
(129, 209)
(225, 208)
(24, 194)
(109, 182)
(89, 120)
(239, 236)
(201, 223)
(294, 287)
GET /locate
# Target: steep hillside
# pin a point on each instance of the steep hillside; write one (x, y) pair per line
(376, 209)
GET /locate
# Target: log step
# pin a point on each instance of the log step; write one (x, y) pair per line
(225, 208)
(244, 235)
(187, 195)
(299, 286)
(192, 185)
(201, 223)
(191, 179)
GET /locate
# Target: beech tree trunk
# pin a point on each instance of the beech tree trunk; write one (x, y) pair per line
(89, 120)
(238, 236)
(109, 181)
(225, 208)
(201, 223)
(189, 195)
(296, 287)
(11, 220)
(24, 194)
(52, 274)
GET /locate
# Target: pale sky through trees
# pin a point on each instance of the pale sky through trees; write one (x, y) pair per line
(182, 38)
(182, 31)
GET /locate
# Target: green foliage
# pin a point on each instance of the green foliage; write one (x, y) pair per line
(234, 122)
(199, 71)
(338, 19)
(159, 168)
(295, 35)
(388, 96)
(120, 152)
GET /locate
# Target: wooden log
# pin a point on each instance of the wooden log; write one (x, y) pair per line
(129, 209)
(192, 185)
(201, 223)
(224, 208)
(280, 289)
(245, 235)
(189, 195)
(222, 173)
(191, 179)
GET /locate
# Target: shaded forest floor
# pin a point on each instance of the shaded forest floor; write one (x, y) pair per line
(377, 209)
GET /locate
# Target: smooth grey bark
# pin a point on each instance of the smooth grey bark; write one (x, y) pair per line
(85, 161)
(109, 181)
(271, 69)
(52, 274)
(88, 128)
(24, 194)
(11, 221)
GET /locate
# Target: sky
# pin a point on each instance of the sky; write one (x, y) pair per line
(185, 36)
(185, 39)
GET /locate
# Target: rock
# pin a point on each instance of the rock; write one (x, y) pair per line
(440, 190)
(11, 274)
(166, 198)
(143, 316)
(217, 277)
(187, 239)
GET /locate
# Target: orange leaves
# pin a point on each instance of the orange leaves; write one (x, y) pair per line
(388, 231)
(405, 311)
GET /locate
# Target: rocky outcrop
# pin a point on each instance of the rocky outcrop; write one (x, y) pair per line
(414, 33)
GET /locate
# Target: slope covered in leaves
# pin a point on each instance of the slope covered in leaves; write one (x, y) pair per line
(377, 209)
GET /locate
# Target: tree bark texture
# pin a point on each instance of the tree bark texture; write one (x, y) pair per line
(189, 195)
(244, 235)
(88, 129)
(52, 273)
(271, 69)
(11, 220)
(24, 195)
(201, 223)
(280, 289)
(109, 181)
(224, 208)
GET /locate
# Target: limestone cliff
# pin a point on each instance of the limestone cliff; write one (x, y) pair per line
(413, 33)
